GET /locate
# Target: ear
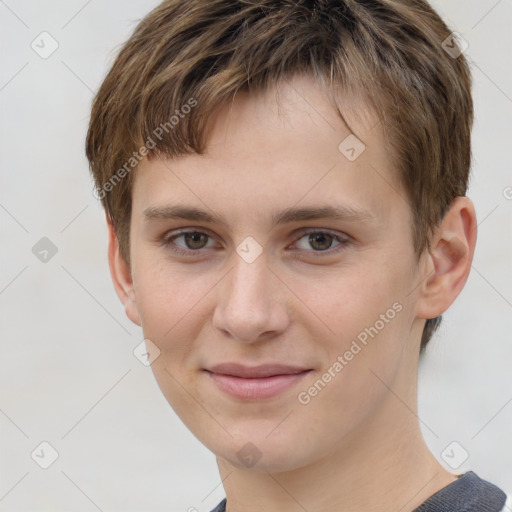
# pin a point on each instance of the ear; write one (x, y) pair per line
(449, 259)
(121, 276)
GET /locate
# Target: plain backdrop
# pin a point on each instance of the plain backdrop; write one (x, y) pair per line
(68, 373)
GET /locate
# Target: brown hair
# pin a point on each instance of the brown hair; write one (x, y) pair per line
(187, 57)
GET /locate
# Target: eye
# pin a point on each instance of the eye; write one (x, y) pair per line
(194, 241)
(321, 242)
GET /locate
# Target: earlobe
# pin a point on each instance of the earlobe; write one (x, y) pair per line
(450, 258)
(121, 276)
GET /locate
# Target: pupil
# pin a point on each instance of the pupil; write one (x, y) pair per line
(195, 237)
(318, 238)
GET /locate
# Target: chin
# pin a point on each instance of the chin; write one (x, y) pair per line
(264, 455)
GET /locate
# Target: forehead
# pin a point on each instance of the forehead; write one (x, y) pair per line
(276, 148)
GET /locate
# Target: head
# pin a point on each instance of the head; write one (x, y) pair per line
(248, 110)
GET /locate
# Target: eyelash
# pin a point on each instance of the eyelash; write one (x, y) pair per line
(167, 242)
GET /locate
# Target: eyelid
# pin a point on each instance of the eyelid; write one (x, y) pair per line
(307, 231)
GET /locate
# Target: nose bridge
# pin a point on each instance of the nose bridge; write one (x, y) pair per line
(247, 307)
(247, 284)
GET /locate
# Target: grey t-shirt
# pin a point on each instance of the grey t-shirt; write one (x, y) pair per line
(469, 493)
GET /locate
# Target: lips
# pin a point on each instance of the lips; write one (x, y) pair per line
(255, 382)
(255, 372)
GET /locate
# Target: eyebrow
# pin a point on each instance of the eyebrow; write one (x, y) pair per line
(287, 215)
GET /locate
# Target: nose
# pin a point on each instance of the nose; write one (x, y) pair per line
(252, 303)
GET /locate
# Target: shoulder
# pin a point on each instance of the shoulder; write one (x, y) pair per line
(469, 493)
(508, 504)
(221, 507)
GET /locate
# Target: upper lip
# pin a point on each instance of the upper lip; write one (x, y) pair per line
(255, 372)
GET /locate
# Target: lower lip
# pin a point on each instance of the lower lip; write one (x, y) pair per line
(256, 389)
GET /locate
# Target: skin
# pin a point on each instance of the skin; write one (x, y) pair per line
(356, 445)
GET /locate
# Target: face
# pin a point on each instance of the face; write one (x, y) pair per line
(280, 326)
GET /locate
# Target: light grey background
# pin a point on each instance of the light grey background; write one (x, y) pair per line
(68, 374)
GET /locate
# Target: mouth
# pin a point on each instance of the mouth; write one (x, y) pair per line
(256, 382)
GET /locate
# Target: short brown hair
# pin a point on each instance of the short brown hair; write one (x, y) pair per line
(200, 53)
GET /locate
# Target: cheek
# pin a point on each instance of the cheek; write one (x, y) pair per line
(165, 295)
(363, 362)
(346, 301)
(172, 314)
(365, 322)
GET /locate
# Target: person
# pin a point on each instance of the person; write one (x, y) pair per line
(285, 192)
